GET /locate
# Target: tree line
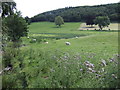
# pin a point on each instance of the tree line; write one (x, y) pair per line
(81, 14)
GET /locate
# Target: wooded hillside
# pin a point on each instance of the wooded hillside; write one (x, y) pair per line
(81, 13)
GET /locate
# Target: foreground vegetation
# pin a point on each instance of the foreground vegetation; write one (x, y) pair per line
(38, 64)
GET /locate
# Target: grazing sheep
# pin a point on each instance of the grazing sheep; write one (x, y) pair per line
(28, 37)
(76, 37)
(34, 40)
(46, 42)
(67, 43)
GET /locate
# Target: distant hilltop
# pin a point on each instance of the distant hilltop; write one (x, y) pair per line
(81, 13)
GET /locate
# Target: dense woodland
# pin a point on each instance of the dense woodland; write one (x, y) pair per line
(81, 13)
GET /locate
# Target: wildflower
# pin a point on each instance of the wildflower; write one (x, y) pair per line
(93, 71)
(98, 76)
(91, 65)
(90, 69)
(7, 68)
(114, 76)
(52, 70)
(81, 69)
(111, 60)
(103, 63)
(103, 69)
(1, 72)
(87, 62)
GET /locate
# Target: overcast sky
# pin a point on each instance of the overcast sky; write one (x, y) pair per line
(34, 7)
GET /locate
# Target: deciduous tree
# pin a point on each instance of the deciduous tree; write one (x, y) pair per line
(59, 21)
(16, 27)
(102, 21)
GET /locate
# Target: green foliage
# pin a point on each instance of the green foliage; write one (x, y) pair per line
(59, 69)
(59, 21)
(102, 21)
(56, 65)
(28, 20)
(8, 8)
(10, 52)
(90, 19)
(16, 27)
(80, 13)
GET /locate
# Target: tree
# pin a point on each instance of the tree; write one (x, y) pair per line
(59, 21)
(28, 20)
(16, 27)
(102, 21)
(8, 8)
(90, 19)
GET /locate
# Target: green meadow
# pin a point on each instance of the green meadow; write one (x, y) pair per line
(57, 65)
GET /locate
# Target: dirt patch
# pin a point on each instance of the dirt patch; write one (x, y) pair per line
(112, 26)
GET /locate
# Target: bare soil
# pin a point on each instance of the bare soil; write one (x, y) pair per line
(112, 26)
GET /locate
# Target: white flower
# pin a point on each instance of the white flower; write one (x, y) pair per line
(103, 69)
(1, 72)
(87, 62)
(93, 71)
(81, 69)
(114, 76)
(103, 62)
(97, 75)
(111, 60)
(90, 69)
(7, 68)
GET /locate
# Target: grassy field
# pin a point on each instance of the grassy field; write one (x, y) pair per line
(89, 62)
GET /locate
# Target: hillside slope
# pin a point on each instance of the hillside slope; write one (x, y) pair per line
(81, 13)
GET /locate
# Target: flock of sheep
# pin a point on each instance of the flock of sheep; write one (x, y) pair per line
(67, 43)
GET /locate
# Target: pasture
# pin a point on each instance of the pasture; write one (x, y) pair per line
(57, 65)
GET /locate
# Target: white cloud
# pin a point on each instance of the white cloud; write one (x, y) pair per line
(33, 7)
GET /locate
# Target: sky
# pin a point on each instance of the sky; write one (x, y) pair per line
(31, 8)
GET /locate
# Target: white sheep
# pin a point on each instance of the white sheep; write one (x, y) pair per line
(34, 40)
(46, 42)
(67, 43)
(28, 37)
(76, 37)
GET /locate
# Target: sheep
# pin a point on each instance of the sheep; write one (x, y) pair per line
(67, 43)
(46, 42)
(28, 37)
(34, 40)
(76, 37)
